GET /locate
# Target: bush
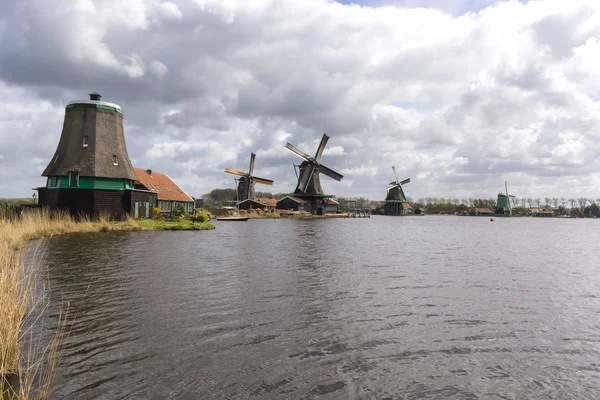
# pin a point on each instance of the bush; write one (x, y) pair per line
(155, 213)
(200, 217)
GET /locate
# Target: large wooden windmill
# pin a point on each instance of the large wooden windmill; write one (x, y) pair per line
(309, 183)
(308, 190)
(91, 173)
(245, 184)
(396, 199)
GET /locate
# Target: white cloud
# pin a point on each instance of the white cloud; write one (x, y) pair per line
(458, 102)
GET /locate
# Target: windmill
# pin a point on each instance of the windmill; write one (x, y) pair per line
(245, 184)
(394, 189)
(503, 205)
(309, 195)
(395, 199)
(309, 183)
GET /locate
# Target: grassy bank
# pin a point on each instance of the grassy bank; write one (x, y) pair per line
(17, 288)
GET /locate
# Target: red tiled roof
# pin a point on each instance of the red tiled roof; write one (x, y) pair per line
(267, 202)
(165, 188)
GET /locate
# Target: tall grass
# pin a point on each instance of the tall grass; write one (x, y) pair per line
(30, 376)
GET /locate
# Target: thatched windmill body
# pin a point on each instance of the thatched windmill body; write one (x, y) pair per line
(246, 181)
(90, 172)
(396, 199)
(309, 190)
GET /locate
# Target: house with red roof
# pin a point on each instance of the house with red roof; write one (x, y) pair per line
(170, 197)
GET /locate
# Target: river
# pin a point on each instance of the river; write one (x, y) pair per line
(378, 308)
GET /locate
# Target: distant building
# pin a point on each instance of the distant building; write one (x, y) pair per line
(331, 206)
(302, 204)
(90, 173)
(449, 210)
(270, 204)
(462, 209)
(545, 211)
(251, 204)
(480, 211)
(170, 198)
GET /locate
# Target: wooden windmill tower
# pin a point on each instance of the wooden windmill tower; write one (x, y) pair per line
(245, 184)
(503, 205)
(90, 172)
(309, 188)
(395, 199)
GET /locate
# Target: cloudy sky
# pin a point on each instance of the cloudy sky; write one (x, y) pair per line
(459, 96)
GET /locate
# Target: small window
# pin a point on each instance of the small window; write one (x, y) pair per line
(73, 179)
(53, 181)
(115, 160)
(86, 140)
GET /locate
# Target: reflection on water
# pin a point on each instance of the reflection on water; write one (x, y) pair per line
(383, 308)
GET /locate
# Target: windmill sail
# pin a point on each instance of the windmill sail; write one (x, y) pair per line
(245, 184)
(394, 188)
(310, 169)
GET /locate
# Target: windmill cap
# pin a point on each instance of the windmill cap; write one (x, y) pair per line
(94, 102)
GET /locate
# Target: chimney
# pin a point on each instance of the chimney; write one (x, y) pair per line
(149, 171)
(95, 96)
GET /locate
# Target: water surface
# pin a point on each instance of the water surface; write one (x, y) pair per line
(379, 308)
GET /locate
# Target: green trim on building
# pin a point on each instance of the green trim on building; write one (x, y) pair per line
(90, 182)
(100, 106)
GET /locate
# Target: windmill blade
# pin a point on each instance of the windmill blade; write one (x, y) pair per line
(395, 176)
(404, 182)
(305, 178)
(330, 173)
(321, 147)
(297, 152)
(252, 157)
(262, 180)
(391, 185)
(234, 172)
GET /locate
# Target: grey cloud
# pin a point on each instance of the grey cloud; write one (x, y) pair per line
(235, 81)
(562, 32)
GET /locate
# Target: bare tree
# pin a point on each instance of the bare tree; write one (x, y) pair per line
(563, 201)
(547, 201)
(572, 202)
(555, 202)
(582, 201)
(538, 201)
(529, 201)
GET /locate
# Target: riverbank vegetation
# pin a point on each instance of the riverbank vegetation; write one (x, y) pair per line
(18, 294)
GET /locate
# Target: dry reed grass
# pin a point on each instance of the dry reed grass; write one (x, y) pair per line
(29, 377)
(17, 297)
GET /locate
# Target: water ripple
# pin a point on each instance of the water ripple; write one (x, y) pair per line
(380, 308)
